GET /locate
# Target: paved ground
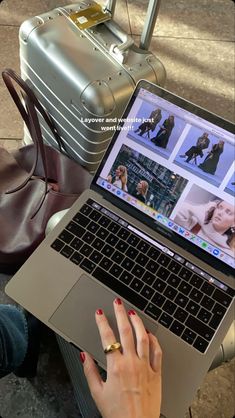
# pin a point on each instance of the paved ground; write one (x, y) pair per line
(194, 40)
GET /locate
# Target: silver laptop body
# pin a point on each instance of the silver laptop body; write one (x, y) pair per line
(180, 280)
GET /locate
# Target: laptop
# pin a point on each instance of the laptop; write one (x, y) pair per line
(157, 229)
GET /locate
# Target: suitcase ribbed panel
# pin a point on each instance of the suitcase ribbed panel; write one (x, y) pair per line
(75, 370)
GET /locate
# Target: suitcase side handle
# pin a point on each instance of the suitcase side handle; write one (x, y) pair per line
(149, 24)
(127, 41)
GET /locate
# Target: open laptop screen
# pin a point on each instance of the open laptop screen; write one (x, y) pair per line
(173, 163)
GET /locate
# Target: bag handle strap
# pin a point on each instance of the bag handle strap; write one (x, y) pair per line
(30, 117)
(8, 75)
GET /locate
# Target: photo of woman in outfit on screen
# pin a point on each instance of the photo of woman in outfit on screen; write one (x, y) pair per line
(210, 163)
(163, 135)
(214, 222)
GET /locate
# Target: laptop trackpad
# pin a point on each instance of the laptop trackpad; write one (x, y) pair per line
(75, 317)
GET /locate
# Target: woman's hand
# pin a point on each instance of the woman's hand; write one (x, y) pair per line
(133, 385)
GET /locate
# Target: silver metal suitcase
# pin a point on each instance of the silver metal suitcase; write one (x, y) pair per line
(84, 77)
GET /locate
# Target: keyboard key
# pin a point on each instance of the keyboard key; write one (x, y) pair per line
(66, 236)
(106, 263)
(75, 229)
(163, 273)
(207, 302)
(133, 240)
(125, 277)
(196, 281)
(123, 234)
(164, 260)
(57, 245)
(132, 252)
(88, 237)
(76, 243)
(122, 246)
(86, 250)
(116, 270)
(136, 285)
(169, 307)
(173, 280)
(152, 266)
(197, 326)
(67, 251)
(103, 221)
(142, 259)
(143, 246)
(153, 253)
(153, 311)
(207, 288)
(98, 244)
(192, 307)
(95, 215)
(93, 227)
(158, 299)
(159, 285)
(181, 300)
(188, 336)
(112, 239)
(185, 274)
(102, 233)
(218, 312)
(113, 227)
(147, 292)
(181, 315)
(81, 220)
(177, 328)
(200, 344)
(85, 209)
(76, 258)
(165, 320)
(184, 287)
(96, 257)
(138, 271)
(117, 256)
(107, 250)
(120, 288)
(148, 278)
(127, 263)
(204, 315)
(222, 297)
(215, 321)
(174, 267)
(170, 292)
(87, 265)
(195, 295)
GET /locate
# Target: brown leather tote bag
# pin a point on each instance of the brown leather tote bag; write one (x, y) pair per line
(36, 181)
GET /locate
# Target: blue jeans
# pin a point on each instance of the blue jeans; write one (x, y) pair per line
(13, 338)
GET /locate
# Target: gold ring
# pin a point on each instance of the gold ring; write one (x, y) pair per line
(112, 347)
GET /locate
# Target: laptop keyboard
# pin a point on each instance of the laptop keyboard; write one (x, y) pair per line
(158, 284)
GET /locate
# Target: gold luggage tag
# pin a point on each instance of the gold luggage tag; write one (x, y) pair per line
(89, 17)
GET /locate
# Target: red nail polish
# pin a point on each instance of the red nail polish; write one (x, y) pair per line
(118, 301)
(131, 312)
(99, 312)
(82, 357)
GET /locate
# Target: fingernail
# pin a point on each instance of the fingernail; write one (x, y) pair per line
(82, 357)
(131, 312)
(99, 312)
(118, 301)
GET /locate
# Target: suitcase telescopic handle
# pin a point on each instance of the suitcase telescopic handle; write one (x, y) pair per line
(149, 24)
